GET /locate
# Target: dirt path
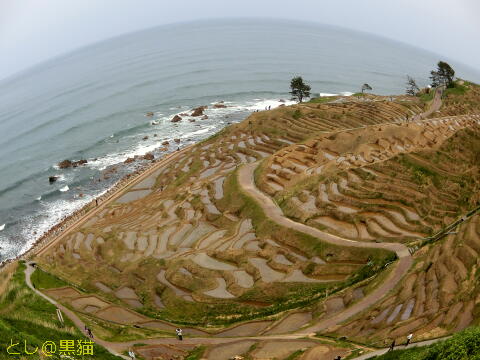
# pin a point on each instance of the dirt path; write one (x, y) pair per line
(116, 348)
(401, 347)
(401, 267)
(70, 314)
(434, 106)
(274, 212)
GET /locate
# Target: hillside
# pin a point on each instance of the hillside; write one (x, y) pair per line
(318, 218)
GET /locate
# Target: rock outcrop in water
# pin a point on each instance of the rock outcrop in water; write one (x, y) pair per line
(52, 179)
(198, 111)
(176, 118)
(148, 156)
(65, 164)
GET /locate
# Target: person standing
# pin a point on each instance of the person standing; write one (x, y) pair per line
(392, 346)
(179, 334)
(131, 354)
(409, 338)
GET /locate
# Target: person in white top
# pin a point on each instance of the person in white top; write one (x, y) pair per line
(409, 338)
(131, 354)
(179, 334)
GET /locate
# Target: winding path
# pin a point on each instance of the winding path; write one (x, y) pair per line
(246, 182)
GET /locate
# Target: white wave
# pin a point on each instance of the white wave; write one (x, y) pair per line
(328, 94)
(52, 214)
(2, 227)
(347, 93)
(38, 198)
(198, 132)
(64, 189)
(182, 130)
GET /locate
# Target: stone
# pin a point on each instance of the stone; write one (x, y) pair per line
(148, 156)
(198, 111)
(176, 118)
(64, 164)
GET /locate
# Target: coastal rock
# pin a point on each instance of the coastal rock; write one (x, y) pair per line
(176, 118)
(145, 138)
(129, 160)
(281, 105)
(164, 148)
(149, 114)
(176, 140)
(52, 179)
(191, 120)
(198, 111)
(148, 156)
(165, 142)
(219, 105)
(65, 164)
(184, 114)
(281, 100)
(204, 117)
(79, 162)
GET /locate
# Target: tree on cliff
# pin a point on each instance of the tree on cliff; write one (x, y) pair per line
(443, 75)
(412, 87)
(366, 87)
(300, 90)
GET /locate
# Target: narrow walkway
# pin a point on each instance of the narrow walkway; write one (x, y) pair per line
(70, 314)
(400, 347)
(401, 267)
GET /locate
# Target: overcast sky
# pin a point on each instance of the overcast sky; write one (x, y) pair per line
(32, 31)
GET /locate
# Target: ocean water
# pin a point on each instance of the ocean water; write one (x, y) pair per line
(91, 104)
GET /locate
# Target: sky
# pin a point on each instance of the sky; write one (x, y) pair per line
(32, 31)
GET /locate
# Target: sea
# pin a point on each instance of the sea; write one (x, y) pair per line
(92, 103)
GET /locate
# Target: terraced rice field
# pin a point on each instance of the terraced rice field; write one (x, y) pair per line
(439, 295)
(404, 197)
(186, 245)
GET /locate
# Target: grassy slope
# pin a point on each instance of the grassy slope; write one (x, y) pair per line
(462, 346)
(463, 98)
(24, 316)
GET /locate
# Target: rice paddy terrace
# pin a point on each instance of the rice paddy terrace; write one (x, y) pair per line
(187, 246)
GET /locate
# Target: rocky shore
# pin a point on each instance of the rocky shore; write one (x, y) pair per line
(59, 229)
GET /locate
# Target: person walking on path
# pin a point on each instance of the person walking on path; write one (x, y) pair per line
(179, 334)
(392, 346)
(409, 338)
(131, 354)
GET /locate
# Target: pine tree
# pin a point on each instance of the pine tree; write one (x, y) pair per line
(300, 90)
